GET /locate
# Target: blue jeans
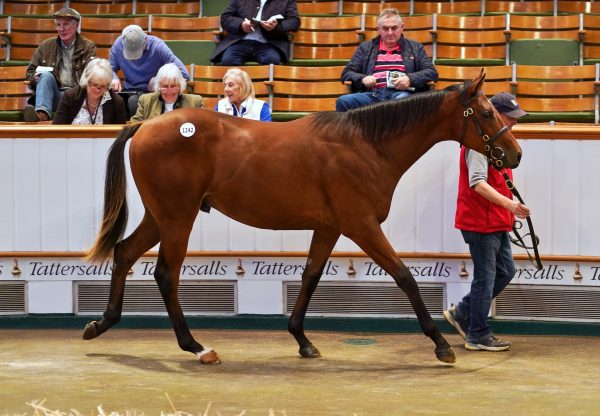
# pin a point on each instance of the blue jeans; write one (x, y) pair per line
(47, 93)
(248, 50)
(493, 269)
(358, 99)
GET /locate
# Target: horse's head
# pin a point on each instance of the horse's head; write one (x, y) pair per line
(483, 129)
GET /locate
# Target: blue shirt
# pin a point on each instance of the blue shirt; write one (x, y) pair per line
(139, 72)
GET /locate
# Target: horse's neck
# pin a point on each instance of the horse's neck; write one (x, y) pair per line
(409, 147)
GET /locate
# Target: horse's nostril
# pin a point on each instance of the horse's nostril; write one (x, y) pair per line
(519, 157)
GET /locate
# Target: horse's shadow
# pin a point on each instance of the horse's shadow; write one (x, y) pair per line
(139, 363)
(269, 366)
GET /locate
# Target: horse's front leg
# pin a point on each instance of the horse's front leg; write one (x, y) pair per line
(376, 246)
(170, 258)
(126, 253)
(320, 249)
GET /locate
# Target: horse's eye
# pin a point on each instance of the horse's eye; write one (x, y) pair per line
(487, 114)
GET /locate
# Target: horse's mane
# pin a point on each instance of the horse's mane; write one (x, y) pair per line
(385, 119)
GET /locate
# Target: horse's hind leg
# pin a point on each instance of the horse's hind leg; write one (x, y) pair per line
(126, 253)
(173, 247)
(320, 249)
(376, 246)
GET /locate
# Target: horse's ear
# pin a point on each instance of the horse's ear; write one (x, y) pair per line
(477, 83)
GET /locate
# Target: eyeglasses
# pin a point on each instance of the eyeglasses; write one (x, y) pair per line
(169, 89)
(98, 86)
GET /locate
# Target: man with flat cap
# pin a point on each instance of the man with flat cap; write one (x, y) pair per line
(485, 212)
(57, 65)
(139, 56)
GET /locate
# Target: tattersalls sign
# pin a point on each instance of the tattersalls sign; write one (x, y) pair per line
(291, 268)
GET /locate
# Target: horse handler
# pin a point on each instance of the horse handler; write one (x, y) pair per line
(485, 214)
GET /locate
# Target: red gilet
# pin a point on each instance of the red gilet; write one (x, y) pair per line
(474, 212)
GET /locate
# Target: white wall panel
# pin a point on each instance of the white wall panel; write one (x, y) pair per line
(535, 186)
(263, 297)
(402, 224)
(565, 200)
(297, 240)
(81, 194)
(590, 199)
(216, 231)
(241, 236)
(27, 215)
(54, 190)
(345, 244)
(430, 189)
(7, 193)
(53, 195)
(269, 240)
(50, 297)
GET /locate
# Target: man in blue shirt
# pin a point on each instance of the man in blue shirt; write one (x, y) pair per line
(139, 56)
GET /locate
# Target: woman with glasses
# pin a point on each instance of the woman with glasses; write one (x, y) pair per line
(240, 100)
(92, 102)
(169, 84)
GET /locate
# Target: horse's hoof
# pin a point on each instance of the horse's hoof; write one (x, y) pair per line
(208, 357)
(90, 331)
(445, 355)
(310, 351)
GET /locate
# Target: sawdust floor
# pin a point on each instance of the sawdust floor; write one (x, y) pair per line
(360, 374)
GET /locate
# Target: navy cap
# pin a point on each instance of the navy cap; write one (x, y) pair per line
(507, 104)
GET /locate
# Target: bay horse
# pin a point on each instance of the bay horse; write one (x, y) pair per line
(345, 167)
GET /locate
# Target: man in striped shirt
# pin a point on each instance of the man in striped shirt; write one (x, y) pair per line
(389, 66)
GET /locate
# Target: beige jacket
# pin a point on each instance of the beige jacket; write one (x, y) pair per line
(151, 105)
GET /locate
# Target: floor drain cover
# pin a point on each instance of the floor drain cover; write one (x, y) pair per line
(359, 341)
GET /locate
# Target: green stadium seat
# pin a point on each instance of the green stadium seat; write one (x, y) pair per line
(192, 51)
(544, 52)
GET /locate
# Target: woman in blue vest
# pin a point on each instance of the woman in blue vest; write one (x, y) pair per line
(240, 100)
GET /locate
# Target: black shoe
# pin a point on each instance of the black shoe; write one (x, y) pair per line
(491, 343)
(450, 315)
(32, 116)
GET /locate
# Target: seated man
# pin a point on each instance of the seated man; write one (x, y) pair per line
(139, 56)
(386, 67)
(56, 65)
(256, 32)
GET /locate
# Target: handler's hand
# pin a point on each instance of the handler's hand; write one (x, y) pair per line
(521, 211)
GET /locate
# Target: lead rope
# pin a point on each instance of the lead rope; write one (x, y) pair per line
(518, 241)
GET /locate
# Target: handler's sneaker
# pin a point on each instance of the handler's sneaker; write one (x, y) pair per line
(450, 315)
(490, 343)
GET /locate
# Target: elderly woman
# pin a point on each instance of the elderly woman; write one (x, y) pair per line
(240, 100)
(92, 103)
(169, 84)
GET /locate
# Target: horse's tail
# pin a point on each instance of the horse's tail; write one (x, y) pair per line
(115, 199)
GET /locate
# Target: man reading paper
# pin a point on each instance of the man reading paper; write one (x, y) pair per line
(57, 65)
(257, 30)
